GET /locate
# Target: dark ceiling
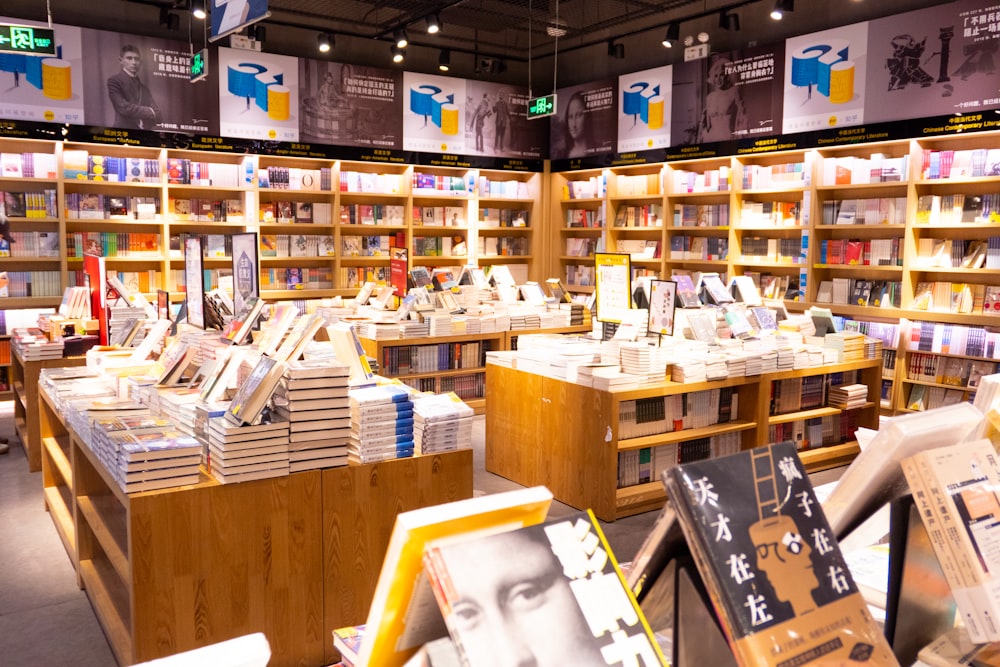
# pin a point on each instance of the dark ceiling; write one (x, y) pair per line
(514, 32)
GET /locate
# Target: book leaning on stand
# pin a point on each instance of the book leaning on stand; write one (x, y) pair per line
(770, 562)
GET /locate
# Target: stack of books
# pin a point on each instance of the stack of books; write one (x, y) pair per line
(156, 461)
(31, 344)
(381, 424)
(644, 360)
(413, 329)
(135, 422)
(312, 397)
(689, 369)
(850, 346)
(438, 324)
(441, 423)
(848, 396)
(248, 452)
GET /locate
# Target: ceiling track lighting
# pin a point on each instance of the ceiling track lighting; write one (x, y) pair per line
(781, 7)
(673, 34)
(198, 9)
(444, 60)
(433, 24)
(728, 21)
(324, 42)
(616, 51)
(397, 54)
(400, 38)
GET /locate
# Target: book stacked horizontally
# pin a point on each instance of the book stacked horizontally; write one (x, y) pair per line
(646, 361)
(850, 346)
(246, 452)
(140, 422)
(688, 369)
(848, 396)
(438, 324)
(151, 461)
(413, 329)
(312, 398)
(381, 424)
(380, 330)
(441, 423)
(31, 344)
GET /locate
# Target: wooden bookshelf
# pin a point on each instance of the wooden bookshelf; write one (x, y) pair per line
(24, 385)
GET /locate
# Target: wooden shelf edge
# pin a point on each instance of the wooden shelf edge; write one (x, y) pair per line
(103, 530)
(62, 517)
(116, 629)
(802, 415)
(55, 447)
(683, 435)
(639, 498)
(823, 458)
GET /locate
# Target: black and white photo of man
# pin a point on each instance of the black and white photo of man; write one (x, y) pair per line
(135, 108)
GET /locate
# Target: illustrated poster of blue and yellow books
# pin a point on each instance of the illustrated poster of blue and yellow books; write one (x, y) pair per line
(644, 109)
(44, 88)
(435, 112)
(258, 95)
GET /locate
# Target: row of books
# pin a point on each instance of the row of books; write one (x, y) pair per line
(648, 215)
(958, 208)
(32, 204)
(366, 246)
(853, 170)
(789, 175)
(145, 281)
(296, 278)
(639, 248)
(590, 188)
(363, 181)
(710, 180)
(79, 164)
(297, 245)
(816, 432)
(213, 246)
(699, 247)
(4, 352)
(861, 292)
(584, 217)
(206, 210)
(30, 244)
(210, 278)
(182, 171)
(667, 414)
(925, 397)
(467, 387)
(864, 252)
(953, 339)
(948, 163)
(762, 248)
(504, 246)
(795, 394)
(954, 371)
(647, 464)
(504, 217)
(288, 212)
(92, 206)
(295, 178)
(771, 214)
(440, 216)
(408, 359)
(579, 275)
(112, 244)
(488, 187)
(28, 165)
(354, 277)
(886, 332)
(441, 183)
(871, 211)
(701, 215)
(888, 362)
(584, 246)
(31, 283)
(638, 184)
(372, 214)
(947, 297)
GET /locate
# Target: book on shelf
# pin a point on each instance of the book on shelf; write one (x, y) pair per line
(403, 614)
(771, 564)
(557, 583)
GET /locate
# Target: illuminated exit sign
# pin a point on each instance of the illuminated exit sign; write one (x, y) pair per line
(27, 39)
(542, 106)
(199, 65)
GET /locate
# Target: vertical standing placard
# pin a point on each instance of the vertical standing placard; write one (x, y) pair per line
(399, 269)
(614, 286)
(662, 297)
(194, 281)
(246, 269)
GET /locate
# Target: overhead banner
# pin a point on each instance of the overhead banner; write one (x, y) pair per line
(434, 114)
(497, 122)
(258, 95)
(644, 108)
(584, 123)
(229, 16)
(47, 88)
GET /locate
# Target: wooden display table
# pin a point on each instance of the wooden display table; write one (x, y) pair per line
(567, 436)
(24, 383)
(293, 557)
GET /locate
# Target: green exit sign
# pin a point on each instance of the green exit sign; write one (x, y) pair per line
(199, 65)
(27, 39)
(542, 106)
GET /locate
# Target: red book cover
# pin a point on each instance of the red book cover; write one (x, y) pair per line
(855, 252)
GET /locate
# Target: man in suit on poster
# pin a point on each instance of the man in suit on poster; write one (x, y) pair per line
(134, 105)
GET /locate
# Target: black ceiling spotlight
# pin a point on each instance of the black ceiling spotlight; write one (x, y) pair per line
(781, 7)
(616, 51)
(397, 54)
(198, 9)
(400, 38)
(256, 32)
(433, 24)
(325, 42)
(728, 21)
(169, 20)
(444, 60)
(673, 34)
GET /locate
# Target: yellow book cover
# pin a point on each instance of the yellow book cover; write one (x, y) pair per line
(404, 614)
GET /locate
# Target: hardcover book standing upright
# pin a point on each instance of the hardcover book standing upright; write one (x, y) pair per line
(771, 563)
(546, 594)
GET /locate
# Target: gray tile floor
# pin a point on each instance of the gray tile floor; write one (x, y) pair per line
(46, 620)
